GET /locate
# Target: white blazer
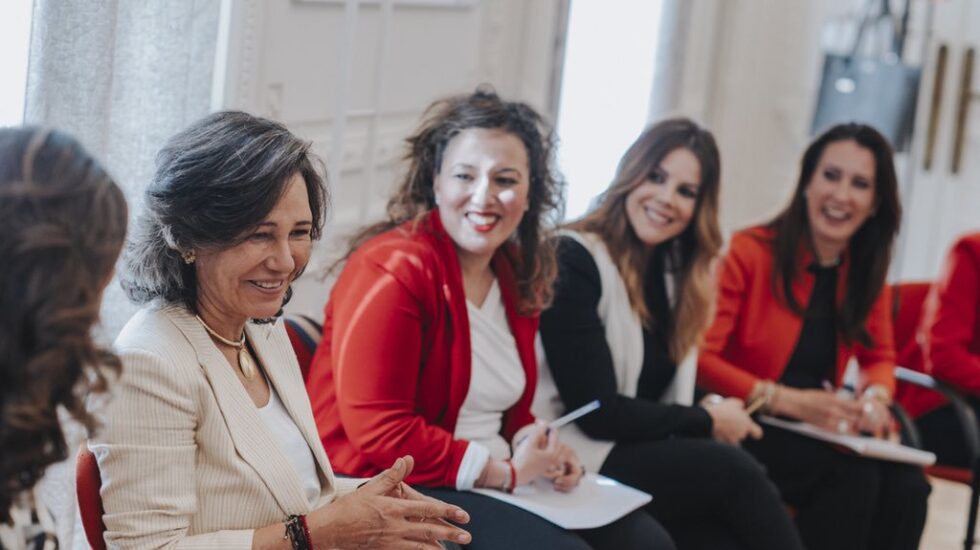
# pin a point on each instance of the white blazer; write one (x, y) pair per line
(186, 460)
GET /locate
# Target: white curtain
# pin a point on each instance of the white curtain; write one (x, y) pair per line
(668, 76)
(121, 76)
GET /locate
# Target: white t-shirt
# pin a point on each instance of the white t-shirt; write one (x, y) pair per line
(293, 444)
(496, 383)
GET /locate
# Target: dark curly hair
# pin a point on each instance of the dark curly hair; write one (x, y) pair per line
(535, 264)
(215, 182)
(63, 223)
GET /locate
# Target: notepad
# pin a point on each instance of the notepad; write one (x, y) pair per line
(597, 501)
(870, 447)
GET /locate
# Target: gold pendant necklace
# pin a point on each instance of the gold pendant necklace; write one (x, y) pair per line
(245, 363)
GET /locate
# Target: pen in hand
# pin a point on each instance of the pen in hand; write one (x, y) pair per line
(755, 405)
(574, 415)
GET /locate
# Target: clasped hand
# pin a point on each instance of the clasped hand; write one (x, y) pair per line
(839, 413)
(730, 421)
(386, 513)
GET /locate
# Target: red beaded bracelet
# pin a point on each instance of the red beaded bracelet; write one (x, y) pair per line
(509, 488)
(306, 530)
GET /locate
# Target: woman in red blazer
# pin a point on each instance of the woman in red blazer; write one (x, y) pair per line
(798, 298)
(428, 345)
(951, 328)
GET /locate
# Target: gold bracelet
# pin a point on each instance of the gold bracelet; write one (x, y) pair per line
(879, 392)
(763, 398)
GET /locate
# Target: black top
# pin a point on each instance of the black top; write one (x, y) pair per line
(578, 355)
(815, 358)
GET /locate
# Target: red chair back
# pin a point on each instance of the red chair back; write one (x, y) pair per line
(907, 302)
(304, 334)
(88, 482)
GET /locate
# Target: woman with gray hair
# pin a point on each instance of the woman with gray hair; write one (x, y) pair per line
(210, 441)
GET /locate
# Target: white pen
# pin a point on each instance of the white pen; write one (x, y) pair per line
(574, 415)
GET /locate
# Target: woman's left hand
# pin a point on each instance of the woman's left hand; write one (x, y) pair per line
(568, 475)
(875, 417)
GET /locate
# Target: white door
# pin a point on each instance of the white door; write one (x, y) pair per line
(942, 199)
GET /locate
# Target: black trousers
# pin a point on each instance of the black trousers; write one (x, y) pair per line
(709, 495)
(843, 501)
(941, 433)
(495, 524)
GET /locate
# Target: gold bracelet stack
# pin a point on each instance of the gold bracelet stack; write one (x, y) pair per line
(878, 392)
(763, 397)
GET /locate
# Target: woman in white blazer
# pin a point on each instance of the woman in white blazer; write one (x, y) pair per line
(209, 441)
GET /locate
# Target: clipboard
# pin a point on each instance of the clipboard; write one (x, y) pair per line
(597, 501)
(862, 445)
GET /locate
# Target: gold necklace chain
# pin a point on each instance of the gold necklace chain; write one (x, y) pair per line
(245, 363)
(222, 339)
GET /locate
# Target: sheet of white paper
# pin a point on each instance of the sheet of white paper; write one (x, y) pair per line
(597, 501)
(862, 445)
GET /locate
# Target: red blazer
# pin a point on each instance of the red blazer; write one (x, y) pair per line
(950, 328)
(754, 334)
(393, 367)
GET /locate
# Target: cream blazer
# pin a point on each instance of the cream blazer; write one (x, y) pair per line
(186, 461)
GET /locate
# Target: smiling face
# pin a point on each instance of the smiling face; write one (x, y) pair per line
(249, 280)
(662, 206)
(482, 191)
(840, 196)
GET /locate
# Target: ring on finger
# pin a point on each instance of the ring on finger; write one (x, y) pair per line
(842, 426)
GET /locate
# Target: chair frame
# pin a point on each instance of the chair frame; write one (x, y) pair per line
(968, 426)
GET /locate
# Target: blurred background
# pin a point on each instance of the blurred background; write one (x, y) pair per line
(354, 76)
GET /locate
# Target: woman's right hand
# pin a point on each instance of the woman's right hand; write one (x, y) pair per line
(538, 454)
(380, 515)
(821, 408)
(730, 422)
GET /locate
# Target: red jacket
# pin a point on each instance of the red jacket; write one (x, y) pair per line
(754, 334)
(393, 367)
(950, 328)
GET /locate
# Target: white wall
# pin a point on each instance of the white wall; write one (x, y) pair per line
(751, 76)
(285, 60)
(754, 82)
(750, 73)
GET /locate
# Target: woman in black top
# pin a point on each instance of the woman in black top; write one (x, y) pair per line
(633, 296)
(799, 299)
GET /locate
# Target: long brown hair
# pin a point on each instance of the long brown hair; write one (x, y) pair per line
(687, 257)
(63, 222)
(534, 265)
(869, 249)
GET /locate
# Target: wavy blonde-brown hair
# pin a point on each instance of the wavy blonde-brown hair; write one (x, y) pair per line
(688, 257)
(62, 222)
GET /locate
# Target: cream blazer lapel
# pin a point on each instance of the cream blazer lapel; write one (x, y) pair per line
(279, 360)
(252, 439)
